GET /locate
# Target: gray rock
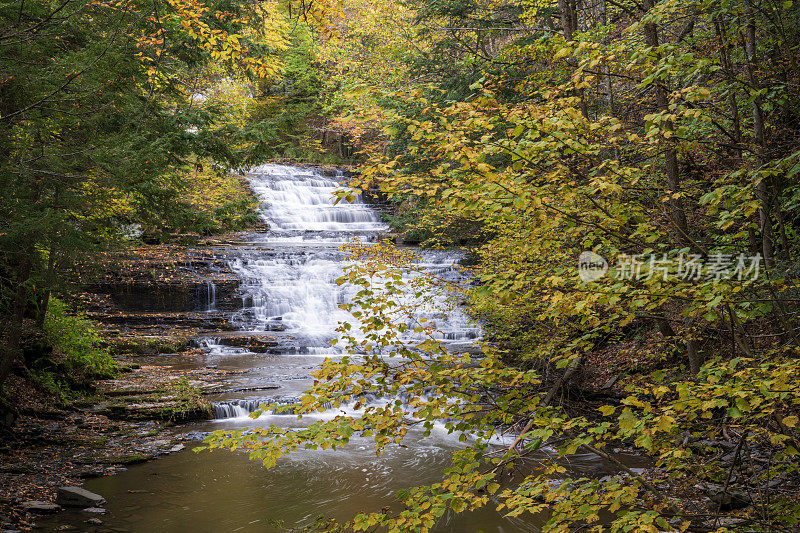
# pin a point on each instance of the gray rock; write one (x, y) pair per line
(91, 473)
(177, 448)
(41, 507)
(94, 521)
(729, 500)
(95, 510)
(71, 496)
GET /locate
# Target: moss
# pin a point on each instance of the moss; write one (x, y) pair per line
(130, 459)
(186, 403)
(100, 442)
(148, 346)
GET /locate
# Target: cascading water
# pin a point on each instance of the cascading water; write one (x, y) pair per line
(211, 301)
(289, 279)
(299, 205)
(289, 273)
(290, 313)
(288, 276)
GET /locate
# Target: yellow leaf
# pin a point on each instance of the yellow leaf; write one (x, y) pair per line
(606, 410)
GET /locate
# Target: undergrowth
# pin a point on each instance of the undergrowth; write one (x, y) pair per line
(77, 355)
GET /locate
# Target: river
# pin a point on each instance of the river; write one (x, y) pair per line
(289, 292)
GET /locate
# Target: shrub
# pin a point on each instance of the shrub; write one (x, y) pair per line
(76, 340)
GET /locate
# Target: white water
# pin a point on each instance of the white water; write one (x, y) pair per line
(289, 291)
(299, 205)
(289, 282)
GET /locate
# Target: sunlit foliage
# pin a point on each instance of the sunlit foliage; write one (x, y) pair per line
(660, 136)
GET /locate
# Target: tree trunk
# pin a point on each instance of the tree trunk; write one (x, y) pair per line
(695, 357)
(733, 104)
(676, 207)
(49, 280)
(763, 191)
(10, 348)
(568, 18)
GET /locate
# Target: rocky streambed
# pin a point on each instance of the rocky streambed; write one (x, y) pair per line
(150, 301)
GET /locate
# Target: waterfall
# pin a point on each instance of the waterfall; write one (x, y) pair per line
(292, 287)
(299, 205)
(235, 408)
(211, 291)
(288, 282)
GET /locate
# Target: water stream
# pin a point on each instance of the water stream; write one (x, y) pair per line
(289, 292)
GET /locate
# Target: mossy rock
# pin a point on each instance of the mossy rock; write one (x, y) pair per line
(130, 459)
(148, 345)
(177, 411)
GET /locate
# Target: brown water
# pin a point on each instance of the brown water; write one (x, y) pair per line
(224, 491)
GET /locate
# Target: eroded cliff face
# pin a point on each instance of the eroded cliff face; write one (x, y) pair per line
(161, 290)
(153, 301)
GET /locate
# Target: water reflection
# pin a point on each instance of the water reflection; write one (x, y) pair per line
(222, 491)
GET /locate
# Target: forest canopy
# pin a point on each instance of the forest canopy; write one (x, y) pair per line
(625, 175)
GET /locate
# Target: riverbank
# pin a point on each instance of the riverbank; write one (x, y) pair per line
(57, 447)
(150, 304)
(146, 301)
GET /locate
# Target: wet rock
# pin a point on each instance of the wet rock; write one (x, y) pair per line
(94, 521)
(94, 510)
(148, 345)
(72, 496)
(196, 435)
(91, 473)
(189, 293)
(38, 507)
(254, 343)
(728, 500)
(157, 322)
(131, 459)
(177, 448)
(172, 410)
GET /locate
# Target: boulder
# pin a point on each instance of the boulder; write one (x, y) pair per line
(90, 473)
(71, 496)
(41, 507)
(728, 500)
